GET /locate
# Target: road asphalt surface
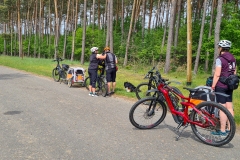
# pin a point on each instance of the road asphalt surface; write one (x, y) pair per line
(42, 119)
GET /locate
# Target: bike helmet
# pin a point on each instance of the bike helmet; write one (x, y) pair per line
(93, 49)
(106, 48)
(225, 44)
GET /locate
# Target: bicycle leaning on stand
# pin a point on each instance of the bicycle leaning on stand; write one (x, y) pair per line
(204, 118)
(101, 84)
(60, 73)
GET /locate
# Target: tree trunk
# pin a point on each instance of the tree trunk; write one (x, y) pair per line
(150, 14)
(4, 39)
(108, 22)
(209, 35)
(165, 29)
(74, 31)
(111, 24)
(50, 27)
(84, 31)
(129, 33)
(143, 18)
(122, 22)
(99, 15)
(35, 28)
(170, 37)
(217, 32)
(200, 38)
(93, 19)
(66, 29)
(40, 29)
(56, 28)
(19, 31)
(179, 7)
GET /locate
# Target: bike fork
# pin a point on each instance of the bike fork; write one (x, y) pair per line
(178, 127)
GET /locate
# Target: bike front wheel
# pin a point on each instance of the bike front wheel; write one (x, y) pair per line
(102, 88)
(87, 83)
(206, 123)
(55, 75)
(141, 90)
(147, 113)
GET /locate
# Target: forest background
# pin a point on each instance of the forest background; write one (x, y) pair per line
(142, 33)
(139, 32)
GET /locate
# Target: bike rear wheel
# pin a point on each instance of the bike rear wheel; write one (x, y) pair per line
(101, 87)
(63, 77)
(205, 130)
(141, 90)
(55, 75)
(87, 83)
(147, 113)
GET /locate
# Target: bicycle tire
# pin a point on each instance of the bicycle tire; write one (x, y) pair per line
(141, 90)
(204, 133)
(64, 77)
(102, 87)
(87, 83)
(55, 75)
(143, 115)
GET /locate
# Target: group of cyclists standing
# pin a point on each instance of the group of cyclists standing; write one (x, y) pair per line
(107, 61)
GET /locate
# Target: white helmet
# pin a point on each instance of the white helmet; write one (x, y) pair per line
(224, 44)
(93, 49)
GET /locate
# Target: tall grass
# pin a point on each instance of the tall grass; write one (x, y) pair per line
(135, 75)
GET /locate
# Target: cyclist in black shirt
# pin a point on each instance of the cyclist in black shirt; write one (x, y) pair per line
(92, 71)
(110, 65)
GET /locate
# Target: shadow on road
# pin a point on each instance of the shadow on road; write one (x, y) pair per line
(12, 76)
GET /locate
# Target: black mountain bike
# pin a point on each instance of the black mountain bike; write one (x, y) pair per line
(101, 84)
(60, 73)
(142, 88)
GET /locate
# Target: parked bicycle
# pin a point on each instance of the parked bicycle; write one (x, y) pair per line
(142, 88)
(204, 119)
(60, 73)
(154, 77)
(101, 84)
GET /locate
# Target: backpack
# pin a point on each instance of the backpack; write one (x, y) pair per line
(209, 81)
(204, 93)
(232, 81)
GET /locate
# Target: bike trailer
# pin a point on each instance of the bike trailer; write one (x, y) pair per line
(75, 75)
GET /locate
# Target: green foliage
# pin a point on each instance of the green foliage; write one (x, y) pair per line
(145, 50)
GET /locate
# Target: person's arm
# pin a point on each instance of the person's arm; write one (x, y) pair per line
(116, 61)
(100, 56)
(217, 73)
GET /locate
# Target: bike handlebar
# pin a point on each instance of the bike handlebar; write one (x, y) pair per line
(58, 59)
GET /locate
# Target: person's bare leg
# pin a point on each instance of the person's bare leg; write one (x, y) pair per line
(223, 119)
(90, 88)
(109, 87)
(229, 106)
(113, 86)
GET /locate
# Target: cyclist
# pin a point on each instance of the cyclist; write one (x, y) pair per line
(92, 71)
(110, 64)
(223, 68)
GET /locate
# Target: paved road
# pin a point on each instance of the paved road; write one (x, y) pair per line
(42, 119)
